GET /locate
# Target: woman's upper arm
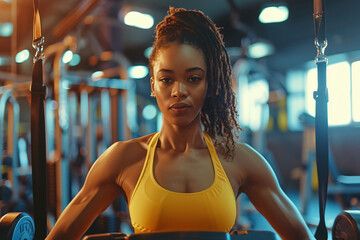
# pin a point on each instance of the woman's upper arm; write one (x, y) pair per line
(99, 191)
(264, 191)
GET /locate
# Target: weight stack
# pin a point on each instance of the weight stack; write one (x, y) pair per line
(346, 226)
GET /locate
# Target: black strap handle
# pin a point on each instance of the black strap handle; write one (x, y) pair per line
(38, 144)
(321, 120)
(321, 131)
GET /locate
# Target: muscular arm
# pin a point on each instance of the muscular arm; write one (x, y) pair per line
(263, 190)
(98, 192)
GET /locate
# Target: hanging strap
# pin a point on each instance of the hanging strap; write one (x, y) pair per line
(321, 120)
(38, 144)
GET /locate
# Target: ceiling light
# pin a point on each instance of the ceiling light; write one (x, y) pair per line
(6, 29)
(22, 56)
(96, 76)
(274, 14)
(139, 20)
(68, 55)
(138, 71)
(260, 49)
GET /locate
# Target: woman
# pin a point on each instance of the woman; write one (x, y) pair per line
(184, 178)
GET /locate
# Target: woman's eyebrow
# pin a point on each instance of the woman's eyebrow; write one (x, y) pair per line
(165, 70)
(195, 69)
(187, 70)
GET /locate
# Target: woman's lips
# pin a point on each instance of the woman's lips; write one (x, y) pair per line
(179, 107)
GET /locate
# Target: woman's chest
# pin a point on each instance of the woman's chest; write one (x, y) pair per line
(187, 173)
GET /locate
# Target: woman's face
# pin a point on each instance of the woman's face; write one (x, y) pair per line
(179, 82)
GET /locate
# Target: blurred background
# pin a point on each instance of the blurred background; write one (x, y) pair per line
(98, 92)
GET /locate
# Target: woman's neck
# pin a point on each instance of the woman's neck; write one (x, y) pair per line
(181, 138)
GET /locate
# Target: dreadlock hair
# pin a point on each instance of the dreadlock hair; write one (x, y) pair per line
(219, 114)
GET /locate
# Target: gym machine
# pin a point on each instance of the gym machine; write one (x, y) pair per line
(346, 224)
(21, 226)
(12, 139)
(13, 225)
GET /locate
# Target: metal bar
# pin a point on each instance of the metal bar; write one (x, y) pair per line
(92, 137)
(13, 123)
(73, 18)
(14, 7)
(105, 119)
(36, 22)
(14, 113)
(101, 83)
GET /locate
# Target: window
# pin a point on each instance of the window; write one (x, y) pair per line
(355, 94)
(295, 99)
(253, 107)
(343, 83)
(343, 93)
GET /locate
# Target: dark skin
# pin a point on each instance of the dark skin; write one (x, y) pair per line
(182, 162)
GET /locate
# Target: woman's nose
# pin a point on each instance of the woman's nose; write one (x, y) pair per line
(179, 90)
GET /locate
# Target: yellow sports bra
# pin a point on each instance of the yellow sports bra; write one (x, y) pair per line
(155, 209)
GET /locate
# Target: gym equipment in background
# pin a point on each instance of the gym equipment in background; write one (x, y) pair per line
(13, 225)
(16, 226)
(346, 226)
(346, 223)
(7, 99)
(342, 186)
(15, 187)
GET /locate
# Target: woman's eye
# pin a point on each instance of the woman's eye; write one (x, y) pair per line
(165, 80)
(194, 79)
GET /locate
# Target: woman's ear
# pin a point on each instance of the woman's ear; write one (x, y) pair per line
(152, 87)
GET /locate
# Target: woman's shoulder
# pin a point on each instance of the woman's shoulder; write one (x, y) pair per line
(243, 166)
(122, 154)
(241, 151)
(255, 166)
(245, 151)
(249, 156)
(131, 148)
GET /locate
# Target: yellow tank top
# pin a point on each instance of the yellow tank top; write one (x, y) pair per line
(155, 209)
